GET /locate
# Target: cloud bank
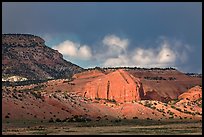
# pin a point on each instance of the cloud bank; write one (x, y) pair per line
(116, 51)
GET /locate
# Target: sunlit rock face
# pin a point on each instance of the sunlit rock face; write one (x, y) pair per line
(192, 94)
(118, 85)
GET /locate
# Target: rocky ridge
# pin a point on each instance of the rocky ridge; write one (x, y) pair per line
(25, 55)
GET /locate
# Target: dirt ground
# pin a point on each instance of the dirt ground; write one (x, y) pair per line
(106, 128)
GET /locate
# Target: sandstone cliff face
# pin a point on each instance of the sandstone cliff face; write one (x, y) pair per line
(117, 85)
(164, 84)
(27, 56)
(192, 94)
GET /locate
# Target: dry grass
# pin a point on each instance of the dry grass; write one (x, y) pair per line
(136, 127)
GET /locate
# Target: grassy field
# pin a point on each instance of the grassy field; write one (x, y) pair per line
(125, 127)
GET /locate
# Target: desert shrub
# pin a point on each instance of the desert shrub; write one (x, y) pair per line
(51, 120)
(173, 107)
(20, 95)
(66, 97)
(111, 100)
(58, 120)
(118, 120)
(7, 116)
(187, 112)
(14, 96)
(171, 113)
(140, 103)
(148, 105)
(97, 98)
(99, 117)
(153, 107)
(67, 110)
(65, 120)
(160, 110)
(197, 113)
(171, 117)
(54, 95)
(135, 118)
(172, 78)
(178, 109)
(77, 118)
(58, 91)
(37, 95)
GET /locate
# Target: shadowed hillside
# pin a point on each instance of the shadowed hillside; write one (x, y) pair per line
(27, 57)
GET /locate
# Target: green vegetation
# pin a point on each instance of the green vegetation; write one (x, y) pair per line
(22, 83)
(97, 98)
(154, 78)
(149, 105)
(160, 110)
(135, 118)
(37, 95)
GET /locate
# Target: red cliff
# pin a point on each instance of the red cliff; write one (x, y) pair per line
(118, 85)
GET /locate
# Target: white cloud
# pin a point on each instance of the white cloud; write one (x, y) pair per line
(165, 55)
(69, 48)
(143, 57)
(115, 52)
(121, 60)
(85, 52)
(115, 43)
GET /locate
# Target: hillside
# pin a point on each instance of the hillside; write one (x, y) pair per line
(156, 83)
(26, 57)
(56, 100)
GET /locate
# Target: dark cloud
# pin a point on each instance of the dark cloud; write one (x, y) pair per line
(88, 23)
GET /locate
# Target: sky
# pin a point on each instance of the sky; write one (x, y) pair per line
(135, 34)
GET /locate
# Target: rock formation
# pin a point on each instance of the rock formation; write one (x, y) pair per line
(117, 85)
(192, 94)
(164, 84)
